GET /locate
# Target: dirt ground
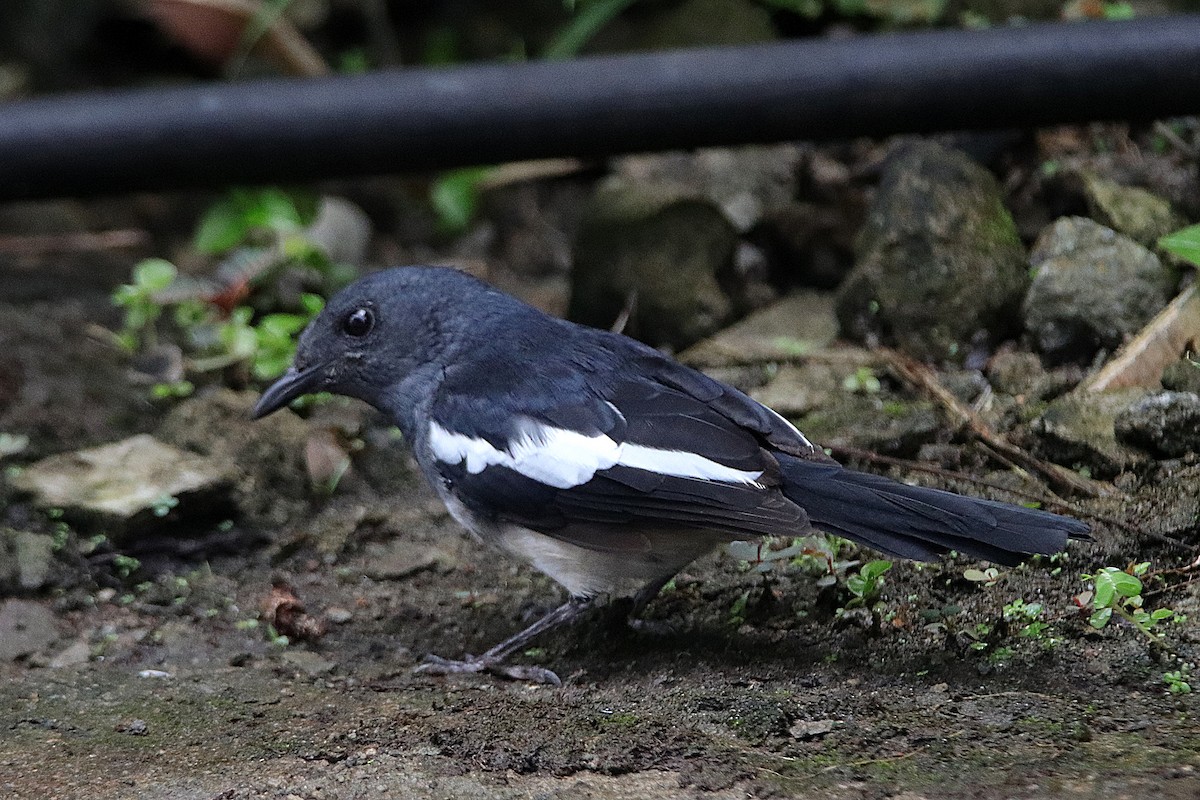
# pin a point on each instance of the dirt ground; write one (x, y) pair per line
(757, 687)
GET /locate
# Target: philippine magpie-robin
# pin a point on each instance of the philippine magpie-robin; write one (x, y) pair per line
(601, 461)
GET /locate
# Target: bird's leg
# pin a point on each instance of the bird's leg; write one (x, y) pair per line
(642, 599)
(493, 660)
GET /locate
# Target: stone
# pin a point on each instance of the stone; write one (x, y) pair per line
(659, 250)
(745, 183)
(797, 389)
(308, 662)
(1182, 376)
(25, 628)
(939, 264)
(790, 328)
(1141, 215)
(806, 729)
(127, 485)
(78, 652)
(871, 422)
(34, 557)
(1079, 428)
(27, 562)
(1166, 424)
(1093, 288)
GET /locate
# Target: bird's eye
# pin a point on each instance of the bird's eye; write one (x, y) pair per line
(358, 322)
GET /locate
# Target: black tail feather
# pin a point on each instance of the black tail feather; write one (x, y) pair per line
(920, 523)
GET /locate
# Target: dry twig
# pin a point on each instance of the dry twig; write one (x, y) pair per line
(963, 417)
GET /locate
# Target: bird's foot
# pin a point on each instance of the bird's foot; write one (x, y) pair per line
(652, 627)
(436, 665)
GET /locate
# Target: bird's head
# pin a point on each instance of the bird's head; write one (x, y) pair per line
(375, 333)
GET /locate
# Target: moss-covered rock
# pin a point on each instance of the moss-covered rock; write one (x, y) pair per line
(1079, 428)
(939, 261)
(1141, 215)
(658, 251)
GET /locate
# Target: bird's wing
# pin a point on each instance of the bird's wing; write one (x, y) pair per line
(592, 465)
(735, 406)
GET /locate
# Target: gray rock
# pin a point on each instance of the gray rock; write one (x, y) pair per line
(1092, 289)
(871, 422)
(939, 260)
(1182, 376)
(308, 662)
(78, 652)
(791, 328)
(1165, 423)
(33, 558)
(745, 183)
(1015, 372)
(25, 628)
(663, 250)
(121, 487)
(797, 389)
(27, 561)
(1079, 428)
(1141, 215)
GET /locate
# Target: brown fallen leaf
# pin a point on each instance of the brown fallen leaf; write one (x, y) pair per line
(1140, 362)
(284, 611)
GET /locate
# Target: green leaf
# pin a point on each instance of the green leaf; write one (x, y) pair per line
(586, 24)
(1100, 618)
(1184, 243)
(230, 221)
(873, 569)
(455, 197)
(312, 303)
(221, 229)
(154, 275)
(1126, 584)
(1104, 591)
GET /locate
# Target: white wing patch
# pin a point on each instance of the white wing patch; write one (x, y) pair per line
(563, 459)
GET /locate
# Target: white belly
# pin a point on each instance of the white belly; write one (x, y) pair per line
(586, 572)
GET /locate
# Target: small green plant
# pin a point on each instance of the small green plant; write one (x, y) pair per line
(867, 583)
(1030, 616)
(172, 389)
(248, 214)
(162, 505)
(1119, 592)
(1178, 681)
(125, 565)
(140, 302)
(979, 635)
(862, 381)
(243, 317)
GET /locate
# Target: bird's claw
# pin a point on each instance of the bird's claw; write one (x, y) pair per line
(652, 627)
(436, 665)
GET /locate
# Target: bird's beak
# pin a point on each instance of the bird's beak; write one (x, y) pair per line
(292, 384)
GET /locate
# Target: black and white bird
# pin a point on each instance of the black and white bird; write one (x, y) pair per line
(601, 461)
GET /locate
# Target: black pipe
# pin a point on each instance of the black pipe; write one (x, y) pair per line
(422, 119)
